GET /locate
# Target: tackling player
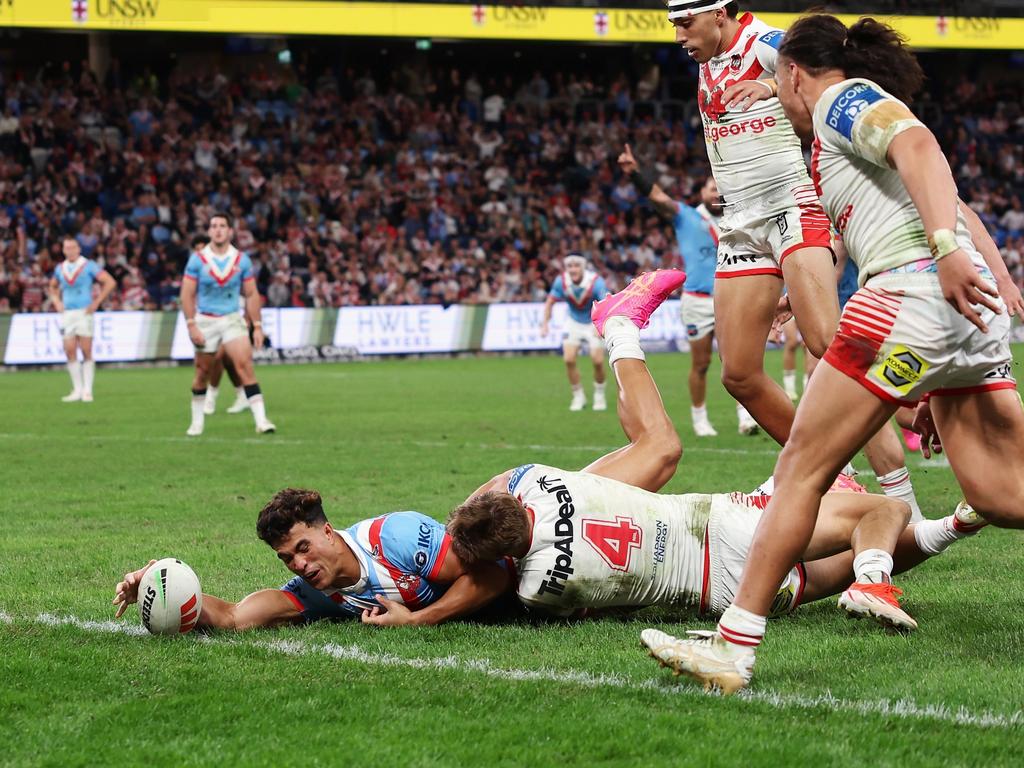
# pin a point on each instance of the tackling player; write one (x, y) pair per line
(601, 538)
(697, 240)
(773, 226)
(71, 295)
(580, 287)
(926, 322)
(401, 561)
(217, 274)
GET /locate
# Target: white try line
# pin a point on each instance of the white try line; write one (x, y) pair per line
(899, 708)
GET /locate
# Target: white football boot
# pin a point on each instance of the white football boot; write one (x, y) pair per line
(87, 397)
(241, 403)
(704, 656)
(74, 397)
(210, 403)
(600, 404)
(966, 520)
(194, 430)
(747, 425)
(703, 428)
(265, 427)
(880, 602)
(579, 401)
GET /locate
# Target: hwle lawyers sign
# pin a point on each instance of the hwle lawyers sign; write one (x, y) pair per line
(401, 330)
(117, 336)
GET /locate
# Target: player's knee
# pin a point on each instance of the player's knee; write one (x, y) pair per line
(740, 382)
(897, 510)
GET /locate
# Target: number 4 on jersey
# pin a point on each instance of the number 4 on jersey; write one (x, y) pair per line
(614, 542)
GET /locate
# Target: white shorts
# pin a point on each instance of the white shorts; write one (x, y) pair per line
(220, 329)
(900, 339)
(730, 532)
(576, 333)
(698, 313)
(754, 239)
(77, 322)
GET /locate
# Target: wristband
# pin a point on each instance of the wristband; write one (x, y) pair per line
(257, 325)
(770, 84)
(942, 242)
(190, 321)
(642, 183)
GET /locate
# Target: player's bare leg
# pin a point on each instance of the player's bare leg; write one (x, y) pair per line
(212, 388)
(700, 361)
(569, 354)
(88, 367)
(597, 357)
(790, 344)
(980, 432)
(74, 370)
(811, 285)
(200, 381)
(651, 457)
(744, 312)
(241, 403)
(239, 352)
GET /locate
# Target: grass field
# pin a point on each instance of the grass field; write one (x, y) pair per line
(93, 490)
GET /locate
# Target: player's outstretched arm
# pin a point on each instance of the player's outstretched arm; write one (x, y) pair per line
(662, 203)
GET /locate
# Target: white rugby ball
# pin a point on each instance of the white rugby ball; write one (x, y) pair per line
(170, 598)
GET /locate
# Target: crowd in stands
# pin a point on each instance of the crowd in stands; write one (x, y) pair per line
(428, 186)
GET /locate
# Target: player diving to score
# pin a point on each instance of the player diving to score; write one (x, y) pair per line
(401, 562)
(603, 538)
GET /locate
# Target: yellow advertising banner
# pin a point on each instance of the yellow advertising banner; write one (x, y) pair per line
(444, 21)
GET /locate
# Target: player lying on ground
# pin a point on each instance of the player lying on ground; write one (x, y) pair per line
(602, 538)
(401, 561)
(926, 322)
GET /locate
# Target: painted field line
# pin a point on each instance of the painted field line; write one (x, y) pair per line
(901, 708)
(276, 440)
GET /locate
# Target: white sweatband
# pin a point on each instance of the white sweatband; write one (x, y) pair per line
(682, 9)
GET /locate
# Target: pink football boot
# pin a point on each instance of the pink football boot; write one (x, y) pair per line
(639, 299)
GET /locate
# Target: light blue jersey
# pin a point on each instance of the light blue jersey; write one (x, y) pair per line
(219, 279)
(75, 280)
(400, 556)
(697, 240)
(580, 296)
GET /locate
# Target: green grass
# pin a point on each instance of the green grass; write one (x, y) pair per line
(93, 490)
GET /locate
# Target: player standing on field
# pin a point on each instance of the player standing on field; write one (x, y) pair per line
(214, 277)
(71, 295)
(697, 240)
(580, 287)
(773, 227)
(926, 323)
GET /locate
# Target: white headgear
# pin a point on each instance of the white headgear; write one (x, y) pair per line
(575, 258)
(681, 9)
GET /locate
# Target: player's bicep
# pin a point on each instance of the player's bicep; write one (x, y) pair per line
(910, 147)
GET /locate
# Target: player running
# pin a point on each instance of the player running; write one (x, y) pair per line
(697, 239)
(71, 295)
(773, 227)
(218, 273)
(926, 321)
(580, 287)
(401, 562)
(601, 538)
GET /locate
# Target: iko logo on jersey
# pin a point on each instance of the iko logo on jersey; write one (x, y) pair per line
(423, 542)
(848, 105)
(757, 125)
(517, 475)
(564, 533)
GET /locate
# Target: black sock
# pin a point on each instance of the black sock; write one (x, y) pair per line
(251, 389)
(198, 392)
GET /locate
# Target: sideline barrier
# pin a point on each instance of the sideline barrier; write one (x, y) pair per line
(36, 339)
(333, 334)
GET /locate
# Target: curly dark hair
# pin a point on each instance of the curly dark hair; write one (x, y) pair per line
(288, 507)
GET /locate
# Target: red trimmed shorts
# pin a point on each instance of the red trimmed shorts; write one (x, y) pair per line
(757, 238)
(900, 339)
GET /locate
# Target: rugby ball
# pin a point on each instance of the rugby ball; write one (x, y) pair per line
(170, 598)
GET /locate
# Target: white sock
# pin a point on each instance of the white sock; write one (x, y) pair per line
(259, 410)
(577, 389)
(873, 566)
(622, 340)
(211, 394)
(933, 536)
(699, 413)
(88, 375)
(789, 381)
(742, 413)
(741, 627)
(897, 485)
(198, 417)
(849, 469)
(599, 387)
(75, 371)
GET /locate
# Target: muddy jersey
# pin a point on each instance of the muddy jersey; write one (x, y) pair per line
(754, 151)
(598, 543)
(855, 121)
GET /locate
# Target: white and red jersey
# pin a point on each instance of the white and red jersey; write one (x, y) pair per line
(754, 151)
(598, 543)
(855, 121)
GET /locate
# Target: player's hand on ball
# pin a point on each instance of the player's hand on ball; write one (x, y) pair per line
(627, 162)
(394, 614)
(127, 591)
